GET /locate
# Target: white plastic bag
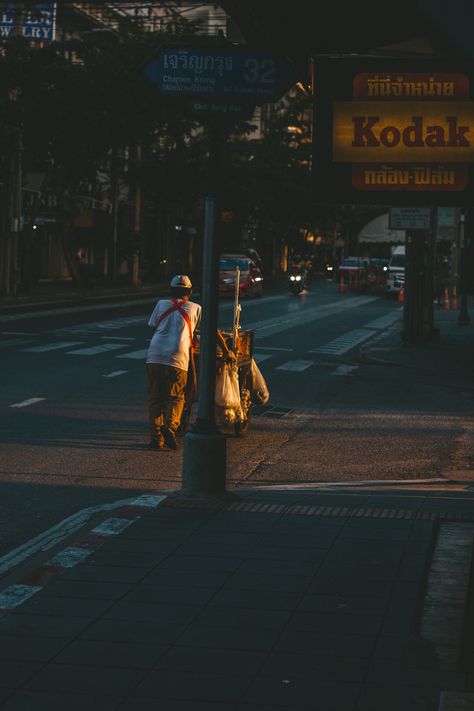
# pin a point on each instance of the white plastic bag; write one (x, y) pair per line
(227, 395)
(259, 385)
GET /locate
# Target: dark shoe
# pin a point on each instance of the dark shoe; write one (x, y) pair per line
(156, 443)
(170, 439)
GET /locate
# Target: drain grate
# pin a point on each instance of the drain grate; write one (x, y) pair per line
(324, 511)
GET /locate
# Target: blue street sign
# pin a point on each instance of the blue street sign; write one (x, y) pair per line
(38, 22)
(230, 74)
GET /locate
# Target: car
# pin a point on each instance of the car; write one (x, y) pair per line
(351, 268)
(251, 279)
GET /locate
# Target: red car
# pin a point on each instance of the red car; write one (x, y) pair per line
(251, 279)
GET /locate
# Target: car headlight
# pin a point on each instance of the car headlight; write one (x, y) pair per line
(292, 278)
(298, 277)
(258, 279)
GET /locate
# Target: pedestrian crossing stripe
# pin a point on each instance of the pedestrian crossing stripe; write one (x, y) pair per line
(136, 355)
(51, 346)
(345, 343)
(94, 350)
(260, 357)
(296, 365)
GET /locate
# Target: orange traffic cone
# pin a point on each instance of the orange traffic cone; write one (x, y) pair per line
(342, 287)
(454, 299)
(446, 301)
(401, 294)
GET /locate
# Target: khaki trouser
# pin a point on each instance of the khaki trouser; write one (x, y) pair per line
(166, 387)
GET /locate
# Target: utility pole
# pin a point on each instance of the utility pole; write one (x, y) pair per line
(204, 462)
(463, 318)
(13, 182)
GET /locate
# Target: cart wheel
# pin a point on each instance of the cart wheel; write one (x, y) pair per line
(246, 402)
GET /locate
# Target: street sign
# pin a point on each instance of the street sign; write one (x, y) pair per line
(410, 218)
(228, 73)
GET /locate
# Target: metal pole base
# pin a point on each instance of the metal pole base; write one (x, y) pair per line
(204, 463)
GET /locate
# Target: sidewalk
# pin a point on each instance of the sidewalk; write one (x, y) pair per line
(332, 598)
(50, 294)
(256, 601)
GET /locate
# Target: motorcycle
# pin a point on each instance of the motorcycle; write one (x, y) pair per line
(298, 281)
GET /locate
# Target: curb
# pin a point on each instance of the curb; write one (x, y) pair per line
(15, 595)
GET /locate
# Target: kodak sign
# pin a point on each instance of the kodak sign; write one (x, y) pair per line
(403, 132)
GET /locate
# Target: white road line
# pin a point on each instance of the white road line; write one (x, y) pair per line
(69, 557)
(316, 312)
(17, 333)
(118, 338)
(94, 350)
(386, 320)
(15, 342)
(137, 355)
(15, 595)
(88, 329)
(4, 318)
(112, 526)
(115, 373)
(345, 343)
(51, 346)
(272, 348)
(345, 370)
(31, 401)
(54, 535)
(260, 357)
(296, 365)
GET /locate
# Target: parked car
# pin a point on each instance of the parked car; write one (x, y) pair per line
(351, 268)
(251, 279)
(396, 271)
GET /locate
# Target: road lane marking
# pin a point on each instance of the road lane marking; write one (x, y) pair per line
(386, 320)
(16, 595)
(31, 401)
(260, 357)
(272, 348)
(345, 370)
(296, 365)
(15, 342)
(269, 327)
(51, 346)
(18, 333)
(118, 338)
(115, 373)
(137, 355)
(94, 350)
(345, 343)
(54, 535)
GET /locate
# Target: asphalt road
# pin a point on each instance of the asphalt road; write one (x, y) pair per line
(73, 405)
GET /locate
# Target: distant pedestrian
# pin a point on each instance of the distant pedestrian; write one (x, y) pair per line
(169, 357)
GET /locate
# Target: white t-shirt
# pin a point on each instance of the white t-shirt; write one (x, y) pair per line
(170, 343)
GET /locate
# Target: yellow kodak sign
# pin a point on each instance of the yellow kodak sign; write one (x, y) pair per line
(403, 131)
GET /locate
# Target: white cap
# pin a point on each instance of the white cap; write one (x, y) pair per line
(181, 280)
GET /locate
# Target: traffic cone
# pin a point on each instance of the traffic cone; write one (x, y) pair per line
(446, 301)
(454, 299)
(401, 294)
(342, 286)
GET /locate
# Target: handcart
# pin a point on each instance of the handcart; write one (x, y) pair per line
(240, 343)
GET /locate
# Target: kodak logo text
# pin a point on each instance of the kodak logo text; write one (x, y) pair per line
(370, 132)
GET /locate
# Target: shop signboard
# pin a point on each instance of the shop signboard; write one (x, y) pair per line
(38, 20)
(397, 132)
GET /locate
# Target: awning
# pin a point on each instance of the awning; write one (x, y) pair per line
(377, 231)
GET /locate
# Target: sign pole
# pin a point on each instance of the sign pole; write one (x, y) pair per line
(204, 459)
(463, 318)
